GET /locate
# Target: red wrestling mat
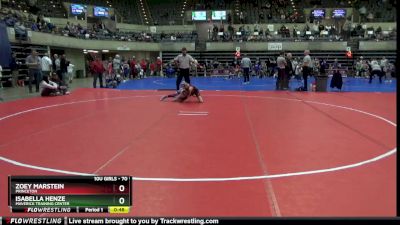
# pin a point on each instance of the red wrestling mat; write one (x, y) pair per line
(238, 154)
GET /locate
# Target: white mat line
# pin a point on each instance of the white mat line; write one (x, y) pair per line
(191, 114)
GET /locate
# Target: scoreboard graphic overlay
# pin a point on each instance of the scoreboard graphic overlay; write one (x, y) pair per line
(70, 194)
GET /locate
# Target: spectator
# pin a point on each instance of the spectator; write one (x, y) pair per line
(46, 65)
(126, 69)
(109, 67)
(214, 32)
(231, 31)
(359, 67)
(31, 19)
(229, 18)
(241, 17)
(34, 27)
(116, 63)
(132, 65)
(221, 27)
(14, 67)
(63, 67)
(256, 27)
(247, 30)
(322, 67)
(56, 65)
(281, 63)
(385, 67)
(378, 30)
(261, 17)
(370, 17)
(315, 29)
(337, 76)
(159, 68)
(70, 70)
(269, 16)
(298, 71)
(363, 11)
(306, 69)
(33, 62)
(139, 70)
(20, 31)
(295, 31)
(375, 70)
(289, 70)
(321, 27)
(97, 70)
(143, 65)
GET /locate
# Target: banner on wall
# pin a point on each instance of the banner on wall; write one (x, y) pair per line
(274, 46)
(123, 48)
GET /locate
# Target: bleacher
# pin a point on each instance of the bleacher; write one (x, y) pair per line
(166, 12)
(257, 11)
(52, 8)
(382, 11)
(22, 51)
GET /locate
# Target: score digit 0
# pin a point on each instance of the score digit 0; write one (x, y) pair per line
(121, 188)
(121, 200)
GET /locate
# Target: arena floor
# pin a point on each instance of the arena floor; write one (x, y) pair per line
(241, 153)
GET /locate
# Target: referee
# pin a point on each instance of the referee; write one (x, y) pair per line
(182, 62)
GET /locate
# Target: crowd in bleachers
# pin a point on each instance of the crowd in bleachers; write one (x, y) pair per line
(376, 10)
(166, 12)
(220, 32)
(247, 11)
(313, 31)
(263, 33)
(371, 33)
(22, 23)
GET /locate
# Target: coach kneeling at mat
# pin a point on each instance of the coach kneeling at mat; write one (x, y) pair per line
(183, 61)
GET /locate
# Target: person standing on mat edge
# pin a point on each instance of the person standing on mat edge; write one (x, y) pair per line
(182, 62)
(306, 68)
(34, 63)
(246, 64)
